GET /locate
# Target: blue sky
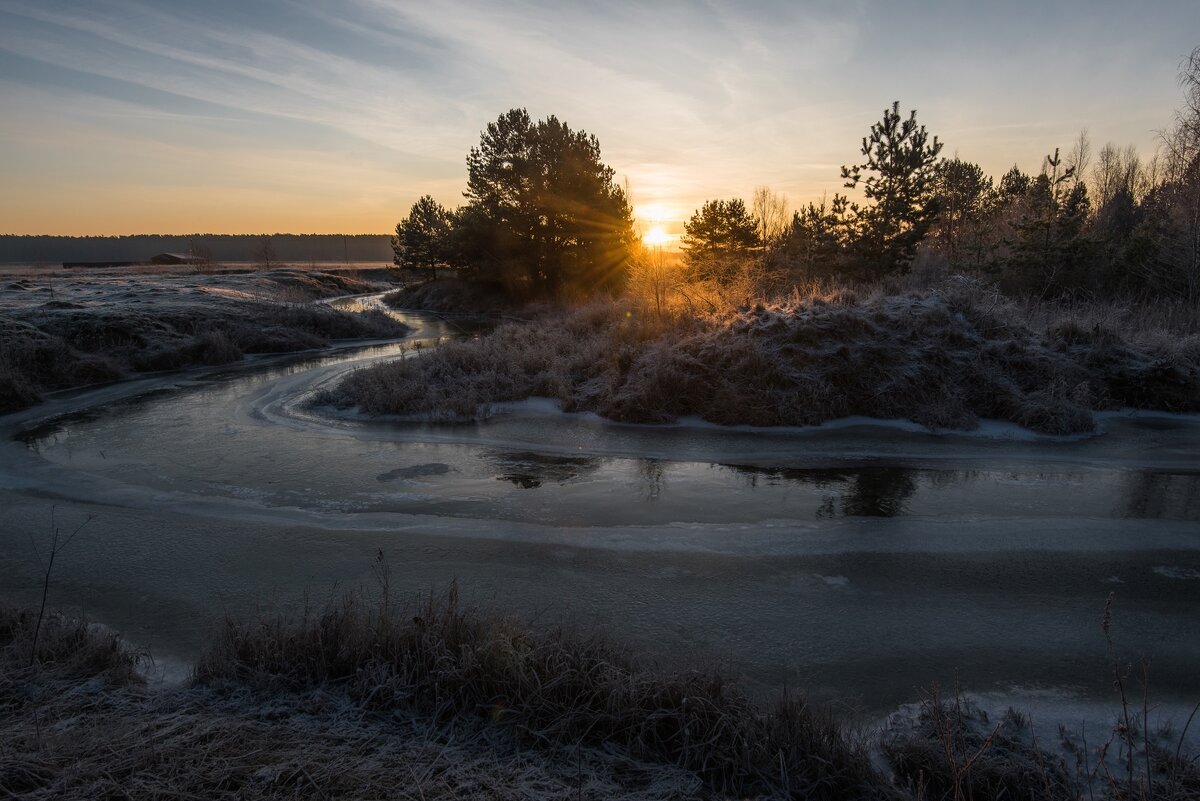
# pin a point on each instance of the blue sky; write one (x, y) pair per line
(271, 115)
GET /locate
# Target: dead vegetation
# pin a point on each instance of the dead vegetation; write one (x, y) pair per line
(451, 296)
(80, 723)
(371, 698)
(374, 700)
(951, 749)
(944, 357)
(552, 690)
(96, 330)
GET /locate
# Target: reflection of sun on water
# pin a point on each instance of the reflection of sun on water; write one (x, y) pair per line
(656, 236)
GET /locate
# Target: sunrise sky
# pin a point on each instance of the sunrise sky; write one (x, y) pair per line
(244, 116)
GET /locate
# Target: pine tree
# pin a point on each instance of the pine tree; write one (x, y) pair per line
(718, 238)
(1051, 248)
(964, 194)
(897, 179)
(422, 239)
(816, 243)
(548, 215)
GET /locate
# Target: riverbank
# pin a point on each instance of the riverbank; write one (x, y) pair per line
(60, 332)
(373, 699)
(944, 358)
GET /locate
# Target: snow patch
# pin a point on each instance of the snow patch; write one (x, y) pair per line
(1173, 572)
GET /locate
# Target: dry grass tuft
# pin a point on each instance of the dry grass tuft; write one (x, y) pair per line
(81, 724)
(944, 358)
(376, 700)
(955, 752)
(549, 690)
(952, 751)
(65, 649)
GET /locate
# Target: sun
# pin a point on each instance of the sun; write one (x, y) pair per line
(656, 236)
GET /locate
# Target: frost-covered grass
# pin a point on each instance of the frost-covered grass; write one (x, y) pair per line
(547, 689)
(377, 700)
(451, 296)
(952, 749)
(942, 357)
(79, 724)
(57, 332)
(367, 698)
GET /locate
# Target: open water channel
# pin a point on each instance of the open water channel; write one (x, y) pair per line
(859, 561)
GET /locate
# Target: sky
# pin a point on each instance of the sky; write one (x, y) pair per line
(251, 116)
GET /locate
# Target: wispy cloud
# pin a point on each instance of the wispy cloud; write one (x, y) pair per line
(364, 104)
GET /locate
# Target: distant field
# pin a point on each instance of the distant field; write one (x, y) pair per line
(18, 269)
(62, 328)
(217, 248)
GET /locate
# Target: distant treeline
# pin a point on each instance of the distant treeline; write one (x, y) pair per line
(292, 248)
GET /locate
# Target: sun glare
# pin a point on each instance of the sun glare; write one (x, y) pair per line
(656, 236)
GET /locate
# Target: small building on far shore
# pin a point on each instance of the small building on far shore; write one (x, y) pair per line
(175, 258)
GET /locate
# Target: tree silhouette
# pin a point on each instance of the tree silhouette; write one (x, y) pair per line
(1051, 247)
(264, 254)
(544, 214)
(816, 243)
(963, 193)
(770, 213)
(422, 239)
(719, 236)
(898, 178)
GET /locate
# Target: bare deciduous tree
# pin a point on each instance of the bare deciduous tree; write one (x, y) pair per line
(1178, 235)
(265, 253)
(770, 212)
(1182, 141)
(1106, 176)
(651, 275)
(1080, 156)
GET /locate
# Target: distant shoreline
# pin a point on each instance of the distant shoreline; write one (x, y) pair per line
(298, 248)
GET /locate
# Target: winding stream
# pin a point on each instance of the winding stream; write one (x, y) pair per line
(859, 562)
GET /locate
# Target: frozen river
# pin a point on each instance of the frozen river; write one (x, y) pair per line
(859, 562)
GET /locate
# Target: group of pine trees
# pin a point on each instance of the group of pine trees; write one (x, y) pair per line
(1119, 226)
(544, 216)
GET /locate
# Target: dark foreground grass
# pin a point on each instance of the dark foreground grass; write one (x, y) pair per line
(549, 689)
(370, 699)
(944, 357)
(79, 723)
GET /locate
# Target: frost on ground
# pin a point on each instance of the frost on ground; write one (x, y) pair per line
(80, 722)
(949, 747)
(452, 297)
(942, 358)
(60, 330)
(417, 702)
(372, 700)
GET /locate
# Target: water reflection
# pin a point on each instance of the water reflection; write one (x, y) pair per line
(429, 325)
(415, 471)
(1162, 495)
(532, 470)
(857, 491)
(653, 476)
